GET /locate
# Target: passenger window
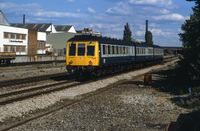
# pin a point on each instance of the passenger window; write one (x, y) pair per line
(109, 51)
(121, 50)
(72, 49)
(138, 51)
(90, 50)
(127, 50)
(117, 49)
(81, 49)
(124, 50)
(113, 50)
(104, 49)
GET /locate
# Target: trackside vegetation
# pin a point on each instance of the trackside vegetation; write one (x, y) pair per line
(187, 73)
(190, 63)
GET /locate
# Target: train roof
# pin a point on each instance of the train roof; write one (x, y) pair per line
(98, 38)
(105, 40)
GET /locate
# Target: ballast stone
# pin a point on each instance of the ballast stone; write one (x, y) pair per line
(69, 96)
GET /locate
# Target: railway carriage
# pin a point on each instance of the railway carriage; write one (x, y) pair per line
(6, 57)
(158, 53)
(92, 54)
(144, 52)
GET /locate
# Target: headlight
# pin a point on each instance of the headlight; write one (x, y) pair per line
(70, 62)
(90, 63)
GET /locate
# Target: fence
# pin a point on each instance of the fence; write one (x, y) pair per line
(33, 51)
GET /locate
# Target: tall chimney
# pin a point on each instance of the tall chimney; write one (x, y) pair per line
(23, 19)
(146, 25)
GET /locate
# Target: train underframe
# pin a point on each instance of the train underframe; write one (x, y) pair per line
(106, 69)
(5, 61)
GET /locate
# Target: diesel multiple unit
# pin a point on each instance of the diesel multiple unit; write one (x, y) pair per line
(92, 54)
(6, 57)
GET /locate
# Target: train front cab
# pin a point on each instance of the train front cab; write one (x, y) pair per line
(82, 56)
(6, 57)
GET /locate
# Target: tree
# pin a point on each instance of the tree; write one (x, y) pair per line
(149, 37)
(190, 38)
(127, 33)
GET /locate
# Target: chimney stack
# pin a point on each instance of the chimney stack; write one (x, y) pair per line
(23, 19)
(146, 25)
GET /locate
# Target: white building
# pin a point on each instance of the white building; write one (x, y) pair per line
(41, 43)
(13, 39)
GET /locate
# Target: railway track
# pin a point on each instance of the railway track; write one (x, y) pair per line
(31, 63)
(22, 94)
(55, 87)
(33, 79)
(18, 95)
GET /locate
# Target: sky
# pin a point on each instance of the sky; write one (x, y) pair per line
(107, 16)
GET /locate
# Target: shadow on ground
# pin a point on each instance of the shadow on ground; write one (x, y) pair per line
(174, 82)
(186, 122)
(171, 81)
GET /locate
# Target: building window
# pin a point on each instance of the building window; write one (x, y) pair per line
(13, 36)
(14, 48)
(5, 35)
(17, 36)
(23, 48)
(23, 37)
(5, 48)
(8, 49)
(41, 45)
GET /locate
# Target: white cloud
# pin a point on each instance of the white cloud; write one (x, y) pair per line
(58, 14)
(78, 10)
(121, 9)
(174, 16)
(152, 2)
(153, 25)
(140, 33)
(12, 7)
(150, 10)
(91, 10)
(160, 32)
(164, 11)
(118, 29)
(179, 30)
(70, 0)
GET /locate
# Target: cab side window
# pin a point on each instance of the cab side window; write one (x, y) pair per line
(90, 50)
(72, 49)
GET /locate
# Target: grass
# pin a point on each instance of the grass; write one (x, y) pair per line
(175, 81)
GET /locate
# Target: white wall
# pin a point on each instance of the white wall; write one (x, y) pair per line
(51, 28)
(72, 30)
(41, 36)
(9, 41)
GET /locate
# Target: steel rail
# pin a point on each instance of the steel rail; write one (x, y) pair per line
(85, 96)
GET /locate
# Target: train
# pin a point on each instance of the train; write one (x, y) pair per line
(6, 57)
(49, 49)
(88, 54)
